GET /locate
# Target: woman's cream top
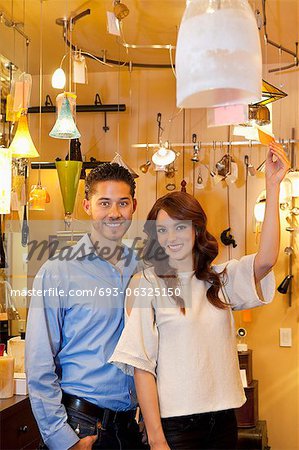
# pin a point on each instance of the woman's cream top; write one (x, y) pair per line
(192, 356)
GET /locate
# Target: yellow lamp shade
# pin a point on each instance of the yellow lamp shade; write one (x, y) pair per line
(37, 198)
(22, 145)
(5, 180)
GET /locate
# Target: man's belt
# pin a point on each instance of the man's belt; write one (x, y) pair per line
(104, 415)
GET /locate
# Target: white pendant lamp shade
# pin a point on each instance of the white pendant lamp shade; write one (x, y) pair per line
(58, 79)
(163, 156)
(218, 55)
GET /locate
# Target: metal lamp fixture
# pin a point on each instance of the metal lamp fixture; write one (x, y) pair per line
(218, 56)
(259, 115)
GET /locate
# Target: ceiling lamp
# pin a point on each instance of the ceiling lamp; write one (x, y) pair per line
(69, 176)
(120, 10)
(259, 115)
(65, 127)
(5, 180)
(218, 56)
(58, 79)
(22, 145)
(164, 155)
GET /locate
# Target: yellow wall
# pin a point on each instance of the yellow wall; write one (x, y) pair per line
(146, 93)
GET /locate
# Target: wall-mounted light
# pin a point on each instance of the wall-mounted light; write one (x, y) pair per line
(218, 55)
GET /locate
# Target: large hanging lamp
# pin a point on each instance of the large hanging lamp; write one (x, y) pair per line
(22, 145)
(218, 55)
(5, 180)
(69, 176)
(65, 127)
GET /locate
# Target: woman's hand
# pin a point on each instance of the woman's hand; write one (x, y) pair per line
(277, 164)
(160, 446)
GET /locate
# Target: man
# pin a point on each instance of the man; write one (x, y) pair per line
(79, 400)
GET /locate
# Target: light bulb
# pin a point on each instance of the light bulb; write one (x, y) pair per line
(58, 79)
(259, 211)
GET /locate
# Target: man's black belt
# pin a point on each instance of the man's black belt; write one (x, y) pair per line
(104, 415)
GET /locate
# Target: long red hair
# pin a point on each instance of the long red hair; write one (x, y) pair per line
(183, 206)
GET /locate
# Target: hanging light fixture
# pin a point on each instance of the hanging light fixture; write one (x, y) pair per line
(65, 127)
(218, 56)
(22, 145)
(164, 155)
(58, 79)
(5, 180)
(69, 176)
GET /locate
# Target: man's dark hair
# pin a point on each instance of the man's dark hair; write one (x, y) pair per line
(108, 172)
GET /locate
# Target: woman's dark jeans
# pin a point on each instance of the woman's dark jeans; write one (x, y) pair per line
(207, 431)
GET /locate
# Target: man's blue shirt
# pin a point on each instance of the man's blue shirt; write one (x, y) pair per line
(75, 320)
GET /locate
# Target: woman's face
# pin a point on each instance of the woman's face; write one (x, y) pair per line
(177, 238)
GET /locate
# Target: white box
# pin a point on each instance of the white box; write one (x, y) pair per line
(20, 384)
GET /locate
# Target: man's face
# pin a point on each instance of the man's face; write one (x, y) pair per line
(110, 207)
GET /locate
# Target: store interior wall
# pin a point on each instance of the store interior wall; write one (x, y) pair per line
(145, 93)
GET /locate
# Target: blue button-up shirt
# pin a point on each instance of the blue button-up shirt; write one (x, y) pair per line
(74, 323)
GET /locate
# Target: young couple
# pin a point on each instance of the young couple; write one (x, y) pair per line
(178, 344)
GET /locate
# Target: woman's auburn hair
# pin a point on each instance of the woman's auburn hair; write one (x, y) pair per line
(183, 206)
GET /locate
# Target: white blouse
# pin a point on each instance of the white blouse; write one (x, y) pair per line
(192, 356)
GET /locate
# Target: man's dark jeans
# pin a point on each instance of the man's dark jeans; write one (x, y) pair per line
(117, 436)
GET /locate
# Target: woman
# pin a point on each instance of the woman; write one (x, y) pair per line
(180, 336)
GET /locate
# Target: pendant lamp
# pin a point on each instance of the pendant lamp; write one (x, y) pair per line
(22, 145)
(69, 176)
(218, 55)
(65, 127)
(5, 180)
(164, 155)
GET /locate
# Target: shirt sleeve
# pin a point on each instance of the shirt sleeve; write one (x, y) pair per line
(43, 342)
(138, 344)
(239, 284)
